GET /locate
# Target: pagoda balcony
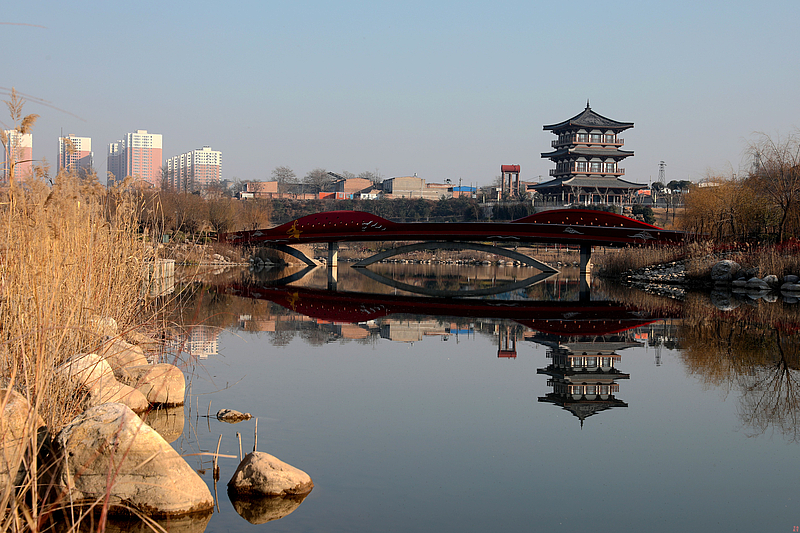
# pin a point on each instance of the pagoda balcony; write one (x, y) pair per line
(573, 139)
(558, 173)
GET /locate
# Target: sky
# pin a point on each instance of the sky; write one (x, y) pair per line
(444, 89)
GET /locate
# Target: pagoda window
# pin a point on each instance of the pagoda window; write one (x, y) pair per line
(583, 137)
(591, 362)
(609, 138)
(611, 167)
(596, 167)
(591, 389)
(580, 166)
(597, 138)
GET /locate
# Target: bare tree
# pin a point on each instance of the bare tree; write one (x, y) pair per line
(375, 177)
(284, 176)
(317, 178)
(777, 175)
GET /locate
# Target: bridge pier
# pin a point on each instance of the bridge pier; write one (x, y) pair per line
(585, 272)
(586, 260)
(333, 254)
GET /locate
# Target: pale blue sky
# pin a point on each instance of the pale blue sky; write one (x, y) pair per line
(442, 88)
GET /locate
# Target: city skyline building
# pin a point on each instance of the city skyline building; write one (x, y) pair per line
(138, 154)
(75, 153)
(195, 170)
(114, 163)
(17, 153)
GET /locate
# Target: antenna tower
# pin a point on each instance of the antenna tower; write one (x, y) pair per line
(661, 172)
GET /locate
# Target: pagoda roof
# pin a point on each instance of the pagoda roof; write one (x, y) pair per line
(589, 119)
(587, 151)
(587, 182)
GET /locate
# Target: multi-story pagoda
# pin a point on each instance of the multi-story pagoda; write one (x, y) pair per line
(587, 155)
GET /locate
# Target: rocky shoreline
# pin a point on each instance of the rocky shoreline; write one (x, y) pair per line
(669, 280)
(114, 451)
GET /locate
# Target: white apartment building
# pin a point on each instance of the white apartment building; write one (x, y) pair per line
(75, 154)
(195, 170)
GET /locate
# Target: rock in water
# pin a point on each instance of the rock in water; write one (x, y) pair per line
(231, 416)
(262, 474)
(108, 449)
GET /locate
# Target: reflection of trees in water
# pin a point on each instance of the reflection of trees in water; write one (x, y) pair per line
(771, 393)
(739, 352)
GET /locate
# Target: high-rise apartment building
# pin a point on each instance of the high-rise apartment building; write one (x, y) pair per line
(195, 170)
(142, 155)
(75, 154)
(114, 163)
(17, 154)
(137, 155)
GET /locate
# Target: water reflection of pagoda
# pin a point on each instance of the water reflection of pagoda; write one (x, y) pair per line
(583, 372)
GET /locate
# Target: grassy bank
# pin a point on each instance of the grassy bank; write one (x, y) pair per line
(70, 253)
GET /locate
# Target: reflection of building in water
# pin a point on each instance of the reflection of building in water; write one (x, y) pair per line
(200, 341)
(583, 373)
(506, 342)
(415, 330)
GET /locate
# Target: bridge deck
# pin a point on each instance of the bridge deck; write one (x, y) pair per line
(565, 226)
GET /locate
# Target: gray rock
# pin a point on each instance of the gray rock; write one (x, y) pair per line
(790, 287)
(724, 270)
(770, 297)
(110, 444)
(739, 283)
(791, 278)
(757, 284)
(772, 280)
(262, 474)
(231, 416)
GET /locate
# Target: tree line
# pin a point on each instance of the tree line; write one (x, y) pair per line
(760, 205)
(165, 212)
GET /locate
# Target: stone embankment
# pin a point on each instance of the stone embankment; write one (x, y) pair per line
(727, 276)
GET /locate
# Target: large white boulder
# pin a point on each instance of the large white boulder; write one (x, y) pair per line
(110, 451)
(262, 474)
(92, 373)
(161, 384)
(121, 354)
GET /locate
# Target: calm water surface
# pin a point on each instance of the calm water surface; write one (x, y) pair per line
(429, 420)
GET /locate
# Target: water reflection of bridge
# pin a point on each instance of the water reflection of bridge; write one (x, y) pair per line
(582, 336)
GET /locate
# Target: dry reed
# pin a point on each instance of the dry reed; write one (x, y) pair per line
(70, 254)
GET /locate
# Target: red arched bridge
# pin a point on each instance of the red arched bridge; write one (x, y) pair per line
(582, 227)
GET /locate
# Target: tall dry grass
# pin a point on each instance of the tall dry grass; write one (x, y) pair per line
(70, 253)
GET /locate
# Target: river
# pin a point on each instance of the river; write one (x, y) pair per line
(547, 408)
